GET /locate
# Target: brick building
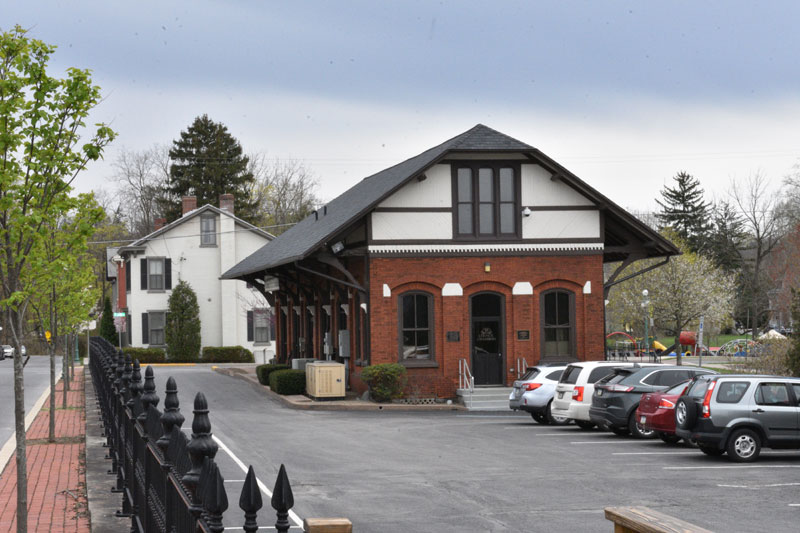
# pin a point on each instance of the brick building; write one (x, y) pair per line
(481, 252)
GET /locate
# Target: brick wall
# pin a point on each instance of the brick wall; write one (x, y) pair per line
(451, 313)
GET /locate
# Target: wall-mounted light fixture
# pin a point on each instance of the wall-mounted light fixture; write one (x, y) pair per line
(526, 212)
(337, 247)
(487, 267)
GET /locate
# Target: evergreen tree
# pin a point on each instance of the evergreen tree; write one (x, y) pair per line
(684, 210)
(207, 161)
(726, 237)
(182, 332)
(794, 349)
(107, 329)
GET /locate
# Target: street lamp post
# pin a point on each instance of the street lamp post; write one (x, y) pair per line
(645, 308)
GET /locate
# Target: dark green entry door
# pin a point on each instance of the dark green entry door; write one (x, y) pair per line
(487, 339)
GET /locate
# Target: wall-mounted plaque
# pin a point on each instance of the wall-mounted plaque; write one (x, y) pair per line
(523, 335)
(453, 336)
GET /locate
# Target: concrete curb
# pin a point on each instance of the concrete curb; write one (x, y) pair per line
(9, 448)
(304, 403)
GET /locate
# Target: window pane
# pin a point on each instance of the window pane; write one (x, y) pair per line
(422, 311)
(464, 185)
(563, 308)
(408, 311)
(550, 309)
(465, 218)
(423, 348)
(409, 345)
(507, 218)
(486, 215)
(156, 266)
(506, 185)
(485, 185)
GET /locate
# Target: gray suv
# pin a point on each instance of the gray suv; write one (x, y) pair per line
(740, 414)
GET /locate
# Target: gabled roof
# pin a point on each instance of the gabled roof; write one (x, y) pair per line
(308, 235)
(138, 244)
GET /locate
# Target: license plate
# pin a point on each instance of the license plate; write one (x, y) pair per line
(599, 392)
(642, 419)
(560, 395)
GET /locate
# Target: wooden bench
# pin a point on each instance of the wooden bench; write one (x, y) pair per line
(646, 520)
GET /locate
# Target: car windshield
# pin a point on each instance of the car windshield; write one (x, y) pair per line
(570, 375)
(616, 377)
(677, 389)
(698, 389)
(530, 374)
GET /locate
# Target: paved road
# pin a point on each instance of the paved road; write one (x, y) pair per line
(448, 471)
(37, 378)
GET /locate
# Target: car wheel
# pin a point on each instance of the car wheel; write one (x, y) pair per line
(583, 424)
(619, 431)
(555, 419)
(669, 438)
(744, 446)
(539, 418)
(711, 450)
(638, 430)
(685, 413)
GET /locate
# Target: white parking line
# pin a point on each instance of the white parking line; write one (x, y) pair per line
(654, 453)
(609, 441)
(794, 505)
(771, 485)
(727, 467)
(292, 515)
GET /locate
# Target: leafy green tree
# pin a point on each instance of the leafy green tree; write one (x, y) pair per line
(726, 237)
(182, 331)
(42, 119)
(107, 329)
(684, 210)
(207, 161)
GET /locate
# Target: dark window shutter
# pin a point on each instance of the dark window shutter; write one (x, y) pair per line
(168, 273)
(129, 323)
(127, 276)
(249, 326)
(143, 273)
(145, 330)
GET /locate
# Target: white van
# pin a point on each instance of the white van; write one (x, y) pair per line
(574, 391)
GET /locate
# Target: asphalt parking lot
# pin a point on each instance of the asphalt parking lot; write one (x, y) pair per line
(455, 471)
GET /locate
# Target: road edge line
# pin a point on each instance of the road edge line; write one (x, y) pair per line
(8, 448)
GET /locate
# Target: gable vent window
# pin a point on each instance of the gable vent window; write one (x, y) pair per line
(208, 231)
(486, 200)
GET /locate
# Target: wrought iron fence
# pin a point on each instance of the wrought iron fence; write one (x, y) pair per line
(169, 483)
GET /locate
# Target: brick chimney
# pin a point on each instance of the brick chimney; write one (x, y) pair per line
(189, 204)
(226, 202)
(159, 223)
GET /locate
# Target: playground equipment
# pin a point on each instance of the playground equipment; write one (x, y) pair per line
(628, 347)
(739, 348)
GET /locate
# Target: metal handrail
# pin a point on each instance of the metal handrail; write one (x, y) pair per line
(521, 362)
(465, 379)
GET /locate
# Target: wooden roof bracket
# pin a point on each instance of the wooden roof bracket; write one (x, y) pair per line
(630, 259)
(354, 285)
(334, 262)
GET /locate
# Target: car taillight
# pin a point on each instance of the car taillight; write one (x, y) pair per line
(532, 386)
(666, 404)
(577, 394)
(707, 400)
(618, 388)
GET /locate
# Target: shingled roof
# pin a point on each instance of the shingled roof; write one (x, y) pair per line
(305, 237)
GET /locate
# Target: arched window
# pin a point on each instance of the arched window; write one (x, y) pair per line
(557, 319)
(416, 327)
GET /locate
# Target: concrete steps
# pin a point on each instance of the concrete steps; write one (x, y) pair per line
(485, 398)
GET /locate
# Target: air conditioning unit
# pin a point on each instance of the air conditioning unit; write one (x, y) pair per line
(325, 380)
(300, 363)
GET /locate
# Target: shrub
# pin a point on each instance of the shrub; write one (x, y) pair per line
(226, 354)
(145, 355)
(263, 371)
(288, 381)
(182, 330)
(107, 329)
(386, 381)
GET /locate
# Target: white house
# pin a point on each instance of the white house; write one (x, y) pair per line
(197, 248)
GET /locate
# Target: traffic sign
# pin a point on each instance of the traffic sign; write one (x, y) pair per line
(119, 315)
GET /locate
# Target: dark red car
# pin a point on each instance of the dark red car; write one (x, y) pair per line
(657, 412)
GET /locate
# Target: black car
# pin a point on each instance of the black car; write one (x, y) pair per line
(617, 396)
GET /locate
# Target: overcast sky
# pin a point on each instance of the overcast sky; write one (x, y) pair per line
(624, 94)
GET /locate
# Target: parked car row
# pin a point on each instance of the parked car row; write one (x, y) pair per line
(733, 414)
(6, 350)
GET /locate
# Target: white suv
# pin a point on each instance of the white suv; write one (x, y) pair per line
(574, 391)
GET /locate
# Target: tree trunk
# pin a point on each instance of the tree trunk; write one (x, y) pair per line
(19, 430)
(51, 348)
(65, 375)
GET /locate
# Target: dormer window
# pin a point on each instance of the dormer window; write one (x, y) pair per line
(208, 230)
(486, 200)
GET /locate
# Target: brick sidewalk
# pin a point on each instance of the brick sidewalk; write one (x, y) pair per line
(56, 472)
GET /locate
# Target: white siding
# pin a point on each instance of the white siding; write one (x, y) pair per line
(561, 225)
(407, 226)
(539, 190)
(435, 191)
